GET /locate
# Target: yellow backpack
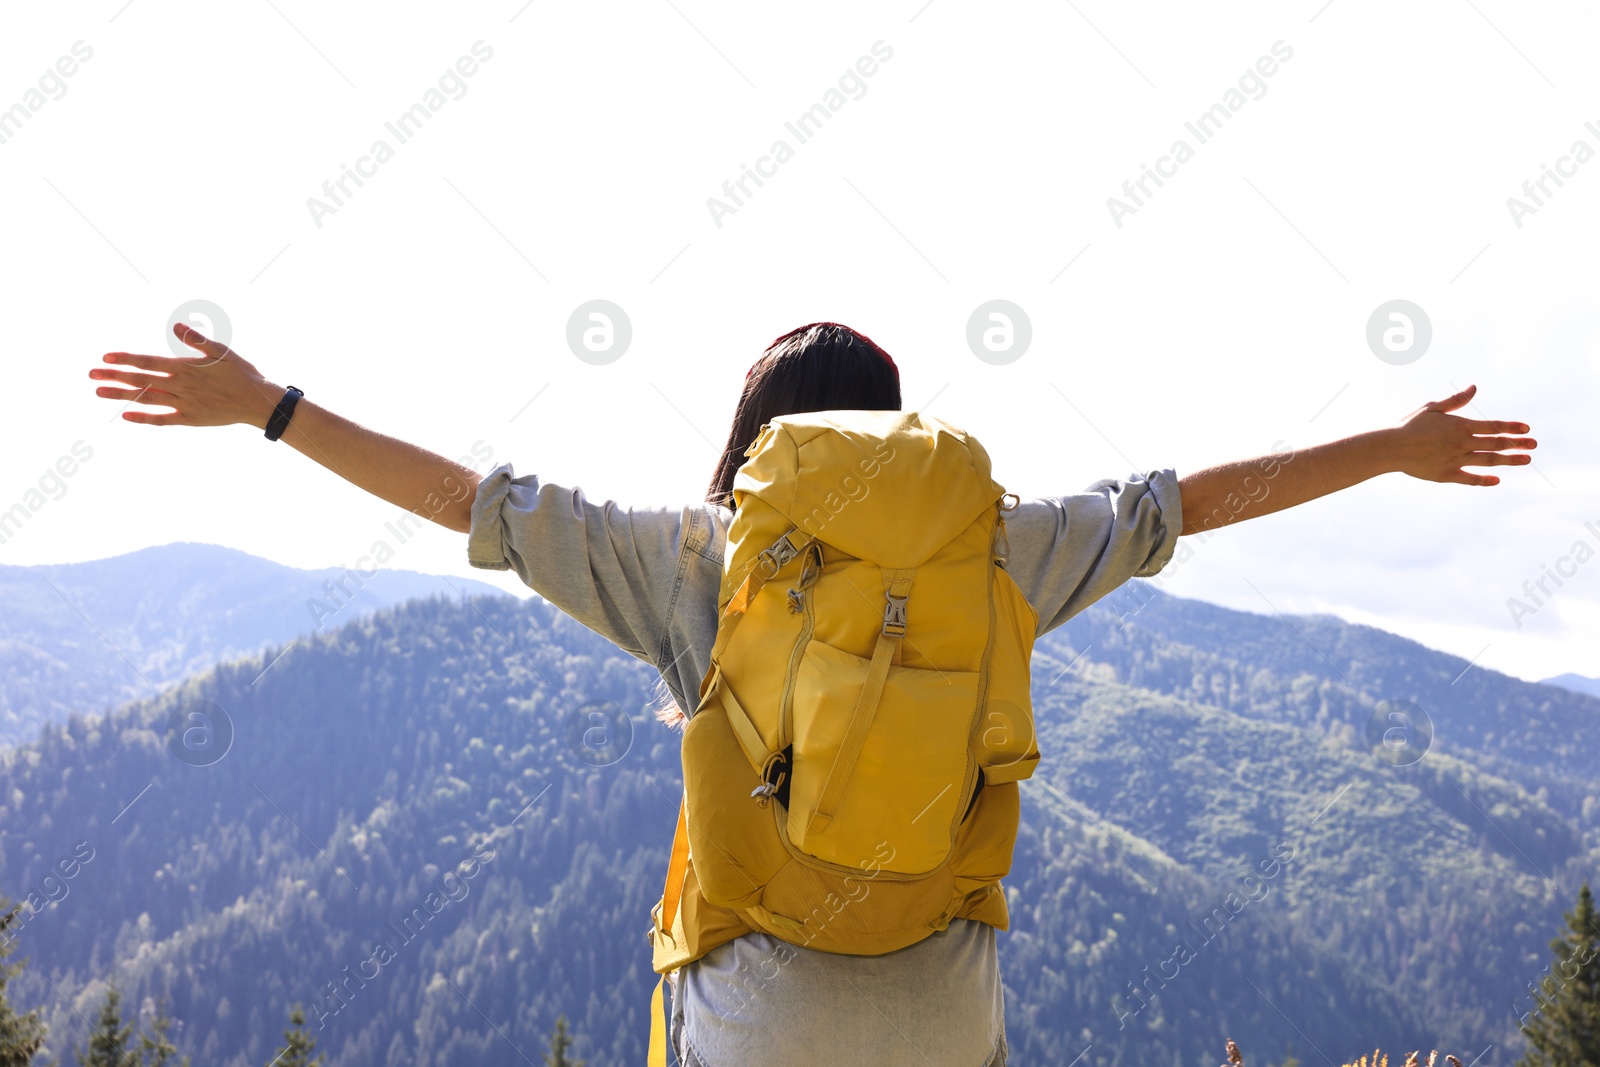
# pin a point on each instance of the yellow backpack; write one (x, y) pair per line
(850, 770)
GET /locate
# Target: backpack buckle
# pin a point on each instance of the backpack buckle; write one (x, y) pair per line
(894, 615)
(773, 773)
(771, 560)
(810, 570)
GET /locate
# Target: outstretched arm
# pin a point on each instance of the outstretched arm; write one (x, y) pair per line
(1430, 444)
(218, 387)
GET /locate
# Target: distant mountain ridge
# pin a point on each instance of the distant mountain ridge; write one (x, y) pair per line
(88, 636)
(1576, 682)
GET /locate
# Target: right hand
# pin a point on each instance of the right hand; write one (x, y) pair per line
(218, 387)
(1436, 446)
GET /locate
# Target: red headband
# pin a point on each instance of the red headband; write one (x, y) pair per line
(869, 343)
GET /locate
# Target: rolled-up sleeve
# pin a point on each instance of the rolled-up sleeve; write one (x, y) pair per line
(1066, 552)
(613, 569)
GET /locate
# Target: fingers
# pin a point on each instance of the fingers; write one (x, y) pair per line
(128, 377)
(209, 352)
(146, 387)
(192, 337)
(1496, 459)
(157, 418)
(1491, 426)
(1467, 478)
(1455, 400)
(133, 359)
(1500, 444)
(143, 396)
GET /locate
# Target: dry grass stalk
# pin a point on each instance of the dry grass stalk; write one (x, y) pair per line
(1377, 1059)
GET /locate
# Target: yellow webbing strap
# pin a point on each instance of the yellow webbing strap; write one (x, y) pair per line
(671, 896)
(677, 868)
(740, 601)
(1014, 771)
(755, 749)
(658, 1028)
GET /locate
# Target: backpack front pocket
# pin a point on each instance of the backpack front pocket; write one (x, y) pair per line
(908, 785)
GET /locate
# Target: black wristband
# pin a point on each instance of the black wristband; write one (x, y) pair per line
(280, 414)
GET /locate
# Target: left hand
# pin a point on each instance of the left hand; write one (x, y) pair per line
(215, 387)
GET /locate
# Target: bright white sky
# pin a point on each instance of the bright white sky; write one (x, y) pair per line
(1228, 314)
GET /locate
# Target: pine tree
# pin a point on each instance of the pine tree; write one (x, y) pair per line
(559, 1043)
(155, 1048)
(108, 1045)
(299, 1043)
(21, 1036)
(1564, 1029)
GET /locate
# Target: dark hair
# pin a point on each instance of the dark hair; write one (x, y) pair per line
(821, 366)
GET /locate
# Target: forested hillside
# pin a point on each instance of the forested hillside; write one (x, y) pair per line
(1318, 672)
(416, 829)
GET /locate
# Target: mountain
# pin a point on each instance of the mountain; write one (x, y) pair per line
(1575, 682)
(416, 830)
(90, 636)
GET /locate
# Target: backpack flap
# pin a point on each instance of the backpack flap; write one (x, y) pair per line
(818, 468)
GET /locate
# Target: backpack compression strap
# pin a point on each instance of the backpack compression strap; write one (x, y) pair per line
(677, 869)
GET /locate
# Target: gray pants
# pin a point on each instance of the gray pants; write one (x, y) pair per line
(687, 1058)
(767, 1001)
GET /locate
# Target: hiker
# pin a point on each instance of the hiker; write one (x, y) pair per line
(650, 580)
